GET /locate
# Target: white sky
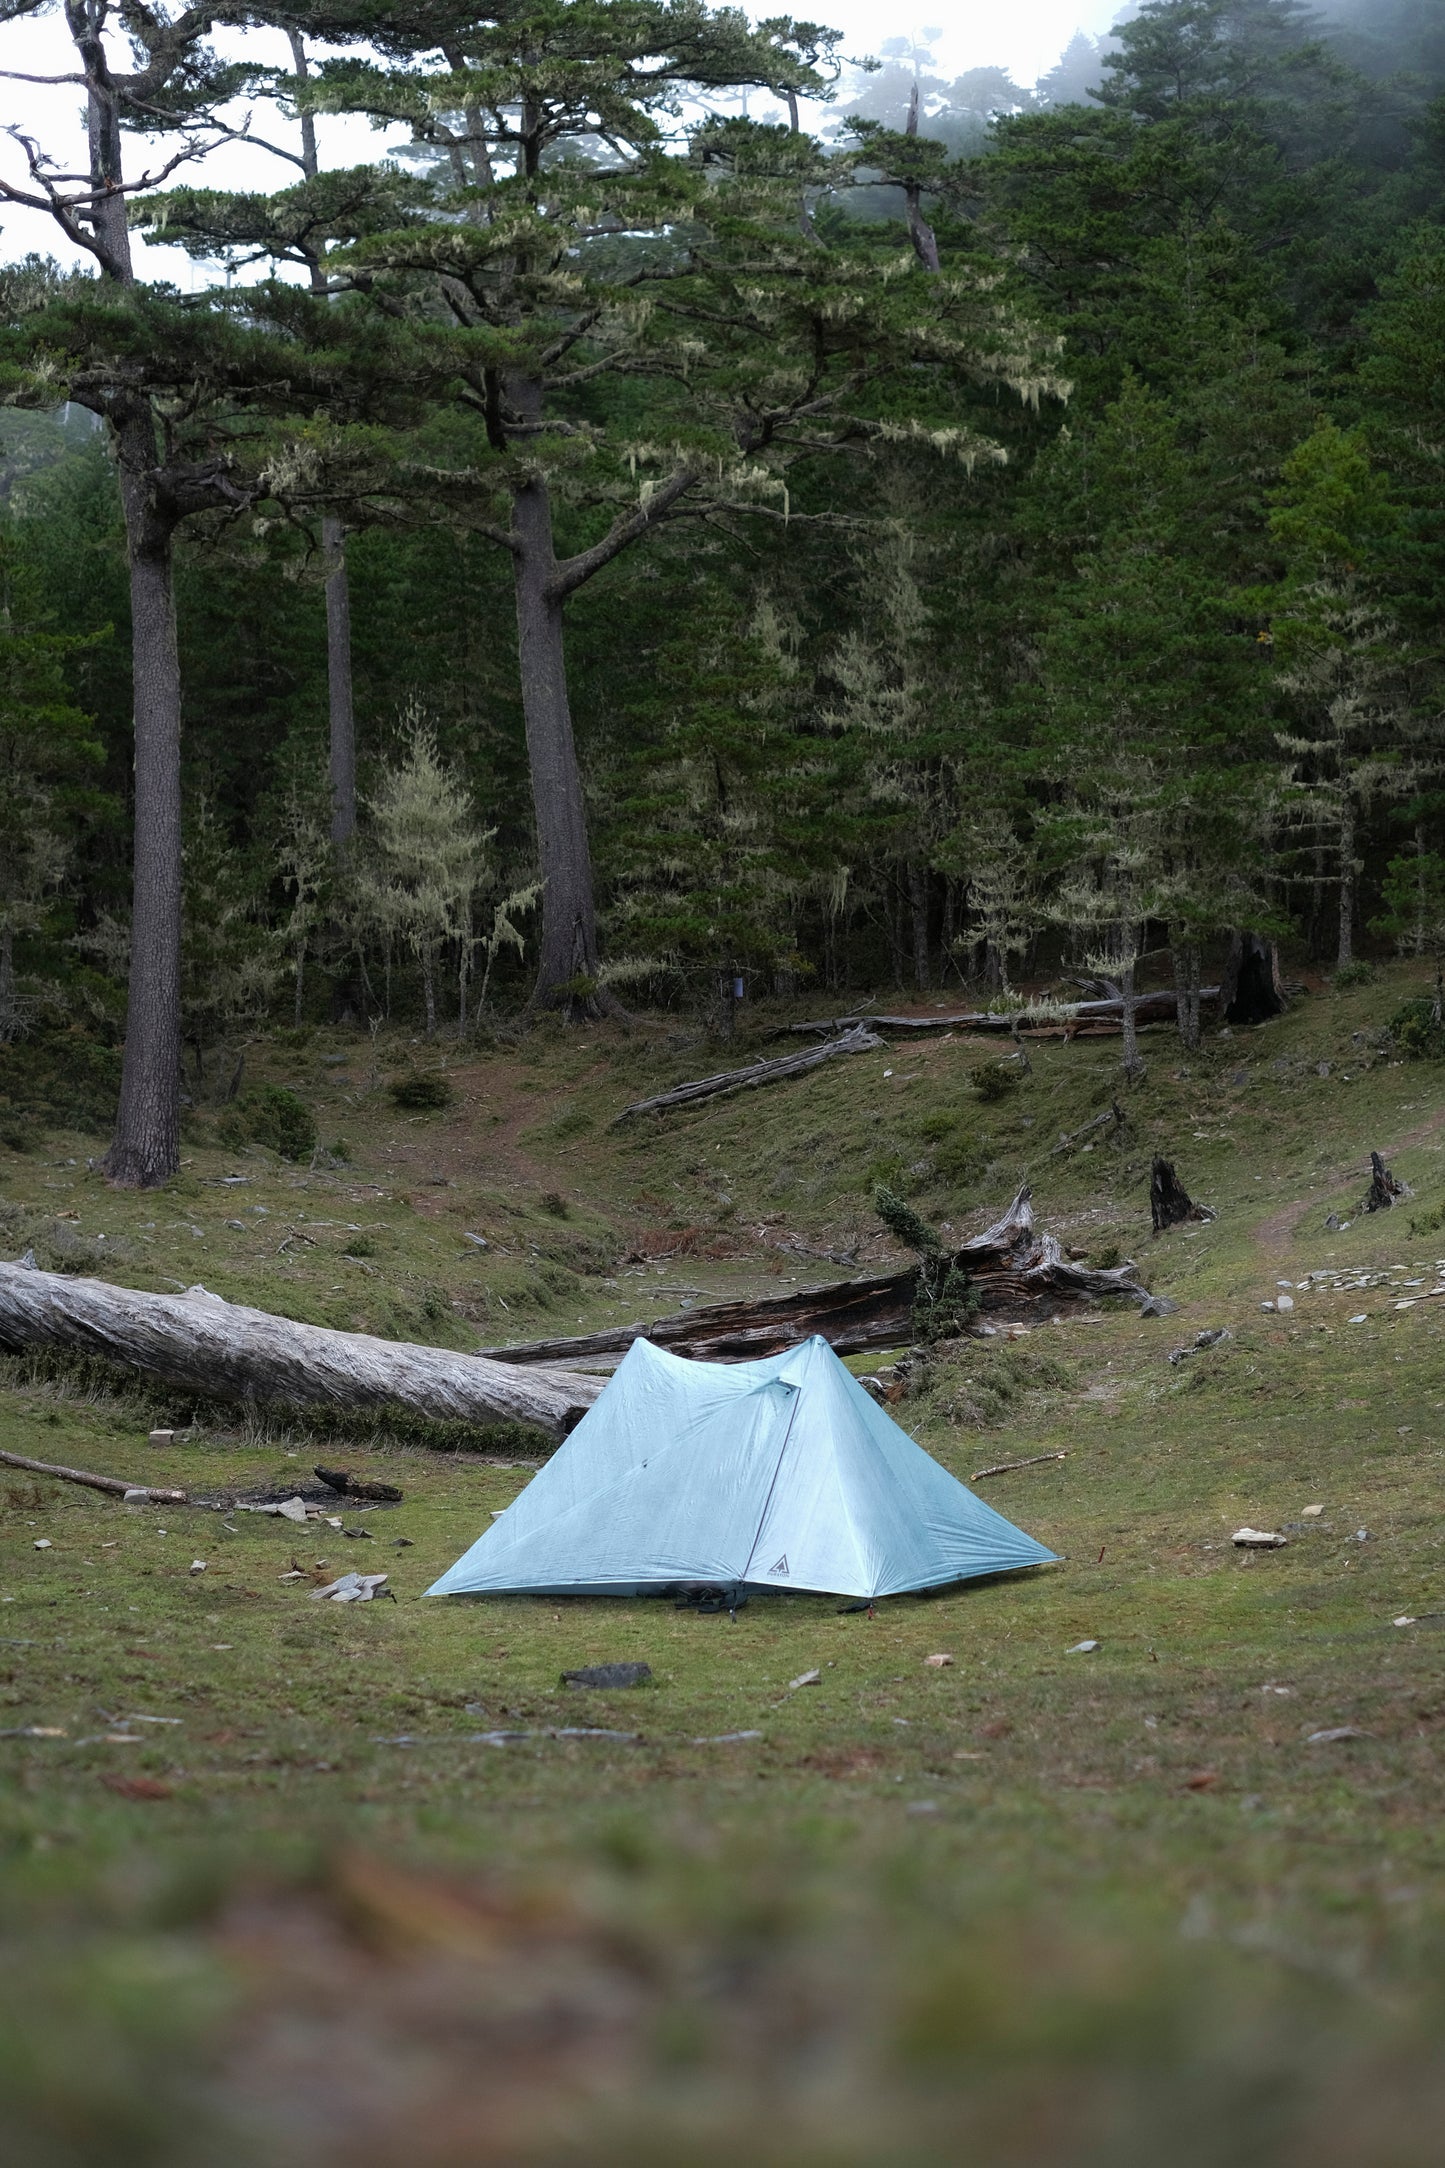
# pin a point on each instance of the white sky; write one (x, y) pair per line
(1027, 39)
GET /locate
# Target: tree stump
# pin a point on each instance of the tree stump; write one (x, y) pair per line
(1384, 1187)
(1169, 1201)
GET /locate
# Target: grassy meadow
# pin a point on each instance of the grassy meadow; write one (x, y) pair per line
(271, 1892)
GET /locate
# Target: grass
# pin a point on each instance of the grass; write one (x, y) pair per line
(1105, 1907)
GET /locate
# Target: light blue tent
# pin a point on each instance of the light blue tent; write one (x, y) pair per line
(779, 1474)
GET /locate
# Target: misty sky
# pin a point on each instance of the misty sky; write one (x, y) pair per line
(1026, 38)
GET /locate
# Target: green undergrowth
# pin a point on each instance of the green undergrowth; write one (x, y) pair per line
(1041, 1905)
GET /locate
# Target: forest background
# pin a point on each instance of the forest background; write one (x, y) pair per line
(997, 538)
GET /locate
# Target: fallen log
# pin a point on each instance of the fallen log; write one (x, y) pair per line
(1157, 1008)
(856, 1040)
(137, 1493)
(221, 1350)
(1010, 1265)
(358, 1486)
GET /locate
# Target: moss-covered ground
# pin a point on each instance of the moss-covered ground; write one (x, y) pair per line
(271, 1896)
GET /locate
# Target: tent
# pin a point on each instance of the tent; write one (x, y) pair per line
(778, 1474)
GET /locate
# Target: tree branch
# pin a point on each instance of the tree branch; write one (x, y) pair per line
(574, 572)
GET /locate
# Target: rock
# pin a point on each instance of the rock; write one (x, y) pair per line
(804, 1678)
(43, 1543)
(197, 1565)
(1311, 1513)
(161, 1437)
(1337, 1732)
(1259, 1539)
(1082, 1648)
(939, 1662)
(351, 1588)
(609, 1675)
(1284, 1302)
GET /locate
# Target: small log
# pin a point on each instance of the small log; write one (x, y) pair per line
(1170, 1203)
(221, 1350)
(855, 1041)
(358, 1486)
(1007, 1467)
(114, 1484)
(1012, 1267)
(1067, 1140)
(1155, 1008)
(1384, 1187)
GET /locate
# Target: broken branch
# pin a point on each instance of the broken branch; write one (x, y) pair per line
(114, 1484)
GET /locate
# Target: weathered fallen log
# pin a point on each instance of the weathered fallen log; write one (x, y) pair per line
(1157, 1008)
(1011, 1266)
(857, 1040)
(223, 1351)
(137, 1493)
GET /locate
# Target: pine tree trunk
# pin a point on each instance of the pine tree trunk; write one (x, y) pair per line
(9, 1012)
(145, 1149)
(1186, 989)
(569, 919)
(429, 987)
(338, 679)
(918, 907)
(1129, 1025)
(1346, 950)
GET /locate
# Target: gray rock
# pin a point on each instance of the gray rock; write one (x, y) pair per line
(609, 1675)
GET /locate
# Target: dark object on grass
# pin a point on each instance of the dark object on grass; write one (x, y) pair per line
(359, 1486)
(1009, 1266)
(1210, 1337)
(708, 1599)
(1384, 1187)
(423, 1092)
(137, 1493)
(1169, 1201)
(275, 1116)
(223, 1350)
(856, 1041)
(609, 1675)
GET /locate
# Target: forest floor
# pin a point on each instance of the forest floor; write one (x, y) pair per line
(270, 1897)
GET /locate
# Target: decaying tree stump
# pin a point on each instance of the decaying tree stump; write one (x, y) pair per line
(1384, 1187)
(1169, 1201)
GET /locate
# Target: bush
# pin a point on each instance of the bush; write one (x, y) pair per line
(1358, 972)
(423, 1092)
(1415, 1031)
(276, 1117)
(995, 1080)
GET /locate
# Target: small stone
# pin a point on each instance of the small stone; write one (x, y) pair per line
(1284, 1302)
(162, 1437)
(1082, 1648)
(938, 1662)
(1311, 1513)
(43, 1543)
(609, 1675)
(804, 1678)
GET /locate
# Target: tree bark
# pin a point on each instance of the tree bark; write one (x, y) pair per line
(145, 1149)
(856, 1041)
(338, 682)
(9, 1008)
(1129, 1025)
(1187, 993)
(918, 910)
(567, 970)
(220, 1350)
(1170, 1203)
(1346, 946)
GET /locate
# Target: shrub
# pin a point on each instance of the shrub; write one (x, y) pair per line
(276, 1117)
(423, 1092)
(359, 1246)
(1358, 972)
(995, 1080)
(1415, 1031)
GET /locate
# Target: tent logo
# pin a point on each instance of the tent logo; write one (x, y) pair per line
(782, 1565)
